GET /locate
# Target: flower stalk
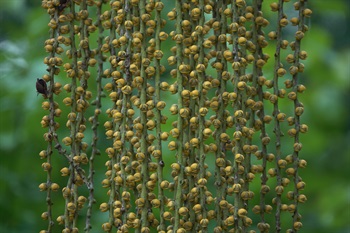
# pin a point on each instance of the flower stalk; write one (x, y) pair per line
(227, 161)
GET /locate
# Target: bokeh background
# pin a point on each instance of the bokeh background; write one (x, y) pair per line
(326, 147)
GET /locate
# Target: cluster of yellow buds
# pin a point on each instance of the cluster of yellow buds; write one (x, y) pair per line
(223, 164)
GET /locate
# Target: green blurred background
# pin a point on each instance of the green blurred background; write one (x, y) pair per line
(326, 147)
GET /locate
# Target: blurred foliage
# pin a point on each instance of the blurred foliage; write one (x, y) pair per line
(23, 31)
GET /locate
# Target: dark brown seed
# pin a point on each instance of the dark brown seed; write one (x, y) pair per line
(41, 86)
(63, 4)
(161, 163)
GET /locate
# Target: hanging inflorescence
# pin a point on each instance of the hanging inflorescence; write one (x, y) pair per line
(223, 164)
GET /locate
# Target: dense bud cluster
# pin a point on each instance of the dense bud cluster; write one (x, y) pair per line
(228, 161)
